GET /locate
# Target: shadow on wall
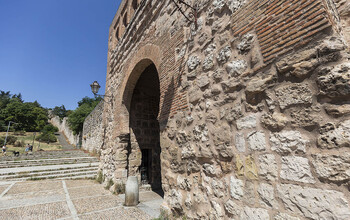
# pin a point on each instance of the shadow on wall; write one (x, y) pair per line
(169, 95)
(166, 105)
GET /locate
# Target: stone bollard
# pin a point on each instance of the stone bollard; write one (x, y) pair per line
(131, 191)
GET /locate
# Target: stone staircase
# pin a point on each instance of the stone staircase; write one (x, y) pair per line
(66, 164)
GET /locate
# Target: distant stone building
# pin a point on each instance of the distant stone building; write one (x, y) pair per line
(241, 113)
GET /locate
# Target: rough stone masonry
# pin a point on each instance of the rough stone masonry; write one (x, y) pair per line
(244, 115)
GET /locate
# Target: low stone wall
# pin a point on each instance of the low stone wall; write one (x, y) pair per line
(92, 130)
(64, 128)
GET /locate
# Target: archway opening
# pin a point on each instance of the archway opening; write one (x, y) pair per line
(144, 150)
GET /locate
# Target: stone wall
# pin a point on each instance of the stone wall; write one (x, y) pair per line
(254, 108)
(64, 128)
(344, 12)
(92, 137)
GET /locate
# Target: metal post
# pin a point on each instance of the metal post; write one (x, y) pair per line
(8, 127)
(33, 139)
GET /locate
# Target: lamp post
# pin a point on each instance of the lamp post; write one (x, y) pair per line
(33, 139)
(95, 87)
(8, 127)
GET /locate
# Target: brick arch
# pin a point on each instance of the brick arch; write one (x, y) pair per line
(146, 56)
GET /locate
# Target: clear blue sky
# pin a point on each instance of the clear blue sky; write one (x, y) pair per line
(52, 50)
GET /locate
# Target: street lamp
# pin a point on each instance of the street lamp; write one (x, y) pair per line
(95, 87)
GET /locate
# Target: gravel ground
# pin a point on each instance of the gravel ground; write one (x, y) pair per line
(70, 199)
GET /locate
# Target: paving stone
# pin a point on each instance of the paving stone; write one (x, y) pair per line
(35, 194)
(79, 183)
(3, 188)
(6, 203)
(25, 187)
(117, 213)
(87, 191)
(43, 211)
(90, 204)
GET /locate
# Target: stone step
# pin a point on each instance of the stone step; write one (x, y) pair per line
(46, 173)
(47, 159)
(6, 171)
(57, 176)
(43, 162)
(45, 155)
(67, 164)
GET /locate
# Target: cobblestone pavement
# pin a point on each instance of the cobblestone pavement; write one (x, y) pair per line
(70, 199)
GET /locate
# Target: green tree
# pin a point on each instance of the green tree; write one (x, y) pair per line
(5, 98)
(18, 97)
(29, 116)
(60, 111)
(47, 134)
(89, 101)
(47, 137)
(77, 117)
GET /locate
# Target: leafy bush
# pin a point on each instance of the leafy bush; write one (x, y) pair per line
(20, 133)
(19, 144)
(119, 188)
(10, 139)
(164, 216)
(109, 184)
(46, 137)
(99, 177)
(49, 129)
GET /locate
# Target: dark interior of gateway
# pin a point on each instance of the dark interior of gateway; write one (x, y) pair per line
(144, 110)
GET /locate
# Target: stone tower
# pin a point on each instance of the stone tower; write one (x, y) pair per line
(239, 111)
